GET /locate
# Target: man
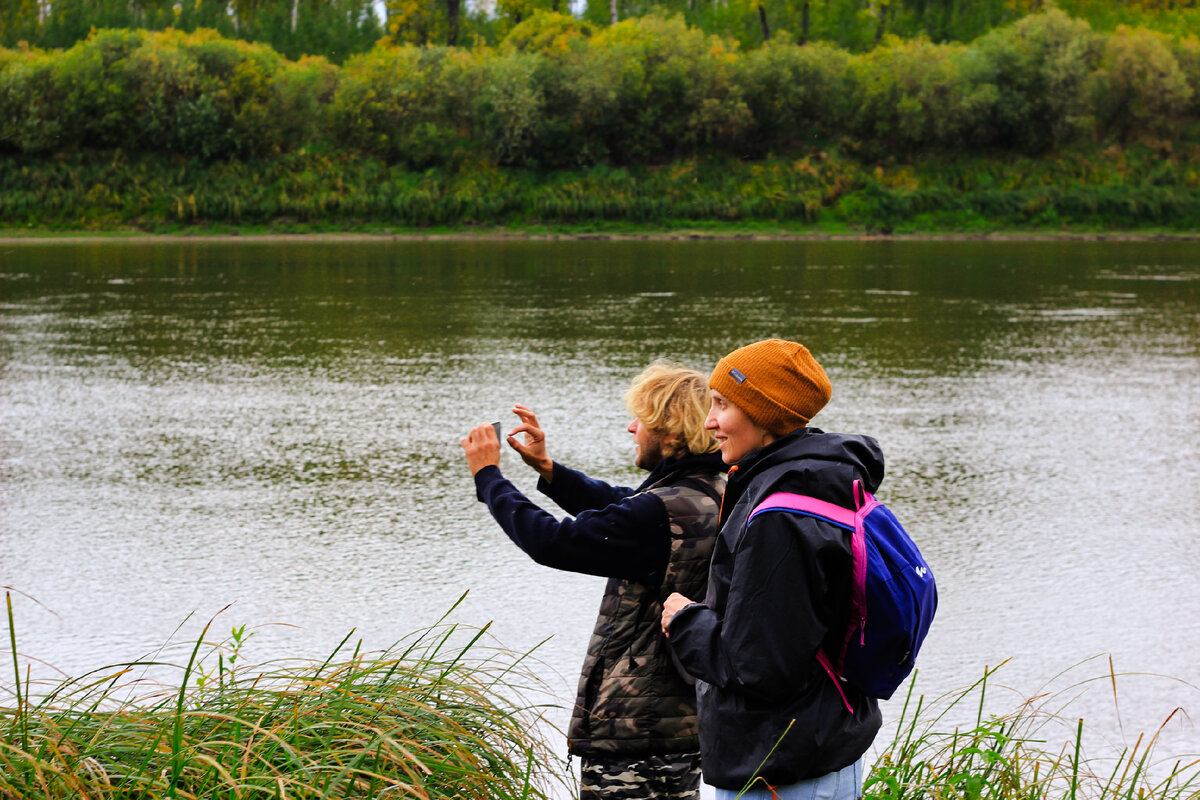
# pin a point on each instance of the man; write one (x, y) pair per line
(634, 721)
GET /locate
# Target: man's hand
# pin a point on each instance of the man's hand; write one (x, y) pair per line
(482, 448)
(533, 449)
(671, 607)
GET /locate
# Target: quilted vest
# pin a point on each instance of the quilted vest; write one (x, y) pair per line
(633, 700)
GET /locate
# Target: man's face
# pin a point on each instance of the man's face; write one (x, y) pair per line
(648, 452)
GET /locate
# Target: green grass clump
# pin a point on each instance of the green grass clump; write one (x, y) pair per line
(432, 718)
(1011, 756)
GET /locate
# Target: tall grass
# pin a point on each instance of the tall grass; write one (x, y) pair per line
(433, 717)
(1015, 755)
(444, 715)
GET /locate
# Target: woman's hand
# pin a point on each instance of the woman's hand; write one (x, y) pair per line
(672, 607)
(533, 449)
(482, 448)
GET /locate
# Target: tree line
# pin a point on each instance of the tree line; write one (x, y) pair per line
(556, 93)
(338, 29)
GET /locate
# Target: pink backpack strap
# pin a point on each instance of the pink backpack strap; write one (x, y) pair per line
(786, 501)
(837, 682)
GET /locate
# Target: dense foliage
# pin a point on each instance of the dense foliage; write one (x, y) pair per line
(558, 93)
(337, 29)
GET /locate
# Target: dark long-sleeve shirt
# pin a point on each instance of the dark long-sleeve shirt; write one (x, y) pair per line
(616, 532)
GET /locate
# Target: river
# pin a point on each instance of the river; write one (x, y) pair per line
(275, 425)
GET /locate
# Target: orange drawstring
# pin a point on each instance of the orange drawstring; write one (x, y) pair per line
(721, 508)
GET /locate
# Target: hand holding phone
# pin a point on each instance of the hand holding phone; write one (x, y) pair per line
(480, 449)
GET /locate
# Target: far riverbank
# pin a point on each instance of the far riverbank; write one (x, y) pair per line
(225, 236)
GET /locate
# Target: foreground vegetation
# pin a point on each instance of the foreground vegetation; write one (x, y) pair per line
(444, 716)
(1034, 752)
(434, 718)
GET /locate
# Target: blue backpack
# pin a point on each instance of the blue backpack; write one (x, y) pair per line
(893, 595)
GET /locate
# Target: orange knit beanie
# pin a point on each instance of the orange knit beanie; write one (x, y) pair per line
(779, 384)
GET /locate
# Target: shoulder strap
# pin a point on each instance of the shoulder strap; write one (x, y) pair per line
(831, 512)
(801, 503)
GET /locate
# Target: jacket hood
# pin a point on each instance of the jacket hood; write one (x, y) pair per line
(813, 462)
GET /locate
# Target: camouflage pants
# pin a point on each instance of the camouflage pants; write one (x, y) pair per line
(674, 777)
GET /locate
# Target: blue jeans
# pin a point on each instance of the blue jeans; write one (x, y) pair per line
(845, 784)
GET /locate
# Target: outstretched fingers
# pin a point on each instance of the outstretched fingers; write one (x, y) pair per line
(526, 414)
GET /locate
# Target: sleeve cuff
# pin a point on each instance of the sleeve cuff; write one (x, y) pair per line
(484, 478)
(544, 485)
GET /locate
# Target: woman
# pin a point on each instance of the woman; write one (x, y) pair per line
(778, 591)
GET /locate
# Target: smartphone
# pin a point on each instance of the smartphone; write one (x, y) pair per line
(499, 434)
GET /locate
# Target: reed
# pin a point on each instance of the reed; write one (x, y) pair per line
(429, 718)
(445, 714)
(1013, 755)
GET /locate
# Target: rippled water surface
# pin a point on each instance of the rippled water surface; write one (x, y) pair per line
(186, 426)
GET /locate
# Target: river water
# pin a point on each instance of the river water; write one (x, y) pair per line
(275, 426)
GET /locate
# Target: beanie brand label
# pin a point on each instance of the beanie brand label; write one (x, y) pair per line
(737, 375)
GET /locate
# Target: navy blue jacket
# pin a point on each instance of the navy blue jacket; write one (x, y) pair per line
(615, 532)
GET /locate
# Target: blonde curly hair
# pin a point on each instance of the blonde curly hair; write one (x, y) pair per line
(672, 401)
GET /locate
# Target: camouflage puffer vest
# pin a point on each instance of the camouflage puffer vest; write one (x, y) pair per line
(632, 699)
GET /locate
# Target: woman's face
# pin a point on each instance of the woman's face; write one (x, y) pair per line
(735, 433)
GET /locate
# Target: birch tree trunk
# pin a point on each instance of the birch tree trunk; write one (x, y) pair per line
(452, 8)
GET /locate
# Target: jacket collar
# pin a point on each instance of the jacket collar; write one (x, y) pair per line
(706, 462)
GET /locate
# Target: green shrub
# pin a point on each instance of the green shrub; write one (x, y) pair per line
(913, 94)
(408, 103)
(1139, 88)
(31, 103)
(509, 106)
(568, 93)
(796, 95)
(194, 94)
(1040, 67)
(301, 94)
(1187, 56)
(643, 87)
(547, 32)
(99, 106)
